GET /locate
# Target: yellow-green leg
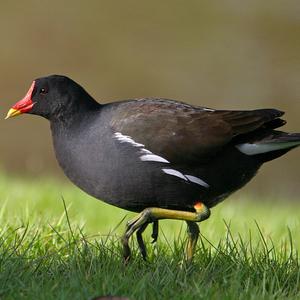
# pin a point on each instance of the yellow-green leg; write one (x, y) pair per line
(193, 234)
(152, 214)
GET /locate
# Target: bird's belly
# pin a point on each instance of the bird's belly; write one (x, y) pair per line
(122, 179)
(134, 190)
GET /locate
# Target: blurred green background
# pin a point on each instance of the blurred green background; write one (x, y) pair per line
(230, 55)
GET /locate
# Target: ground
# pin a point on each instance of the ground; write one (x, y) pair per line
(248, 248)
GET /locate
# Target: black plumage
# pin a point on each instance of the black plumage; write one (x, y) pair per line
(138, 154)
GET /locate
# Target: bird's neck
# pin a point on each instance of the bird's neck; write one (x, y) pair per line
(70, 121)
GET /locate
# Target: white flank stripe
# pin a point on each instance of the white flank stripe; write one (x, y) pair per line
(174, 173)
(185, 177)
(153, 157)
(207, 109)
(197, 180)
(253, 149)
(145, 151)
(146, 155)
(127, 139)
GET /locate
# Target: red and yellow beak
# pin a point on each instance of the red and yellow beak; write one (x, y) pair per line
(23, 105)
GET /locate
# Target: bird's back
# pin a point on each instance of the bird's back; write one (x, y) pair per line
(152, 152)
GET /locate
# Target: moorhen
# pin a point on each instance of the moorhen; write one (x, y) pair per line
(162, 158)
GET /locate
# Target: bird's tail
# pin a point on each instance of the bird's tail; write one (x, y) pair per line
(271, 146)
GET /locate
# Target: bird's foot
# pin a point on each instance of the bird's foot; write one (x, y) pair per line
(152, 215)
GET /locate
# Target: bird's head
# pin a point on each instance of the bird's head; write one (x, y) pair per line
(51, 97)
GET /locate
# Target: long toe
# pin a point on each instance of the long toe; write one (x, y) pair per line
(139, 236)
(154, 231)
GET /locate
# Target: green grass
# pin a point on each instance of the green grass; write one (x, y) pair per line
(248, 250)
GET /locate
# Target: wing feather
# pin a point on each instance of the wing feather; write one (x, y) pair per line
(182, 133)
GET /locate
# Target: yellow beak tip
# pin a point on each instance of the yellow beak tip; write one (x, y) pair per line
(11, 113)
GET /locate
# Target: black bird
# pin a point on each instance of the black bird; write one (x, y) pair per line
(161, 158)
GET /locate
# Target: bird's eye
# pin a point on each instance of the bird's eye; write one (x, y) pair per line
(43, 91)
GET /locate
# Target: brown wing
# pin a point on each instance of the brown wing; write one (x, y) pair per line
(183, 133)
